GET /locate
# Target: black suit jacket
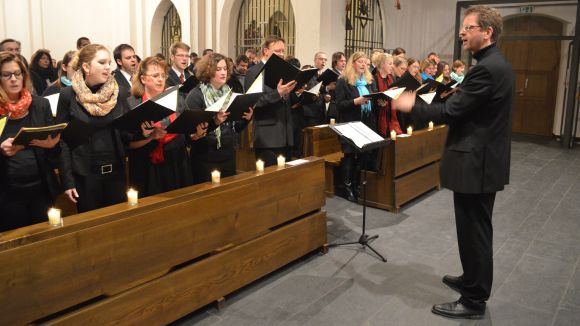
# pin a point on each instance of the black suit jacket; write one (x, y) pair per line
(124, 86)
(46, 159)
(476, 158)
(272, 116)
(173, 78)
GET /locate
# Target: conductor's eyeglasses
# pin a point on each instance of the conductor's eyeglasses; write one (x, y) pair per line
(7, 75)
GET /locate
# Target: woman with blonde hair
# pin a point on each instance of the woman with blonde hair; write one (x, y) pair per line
(355, 82)
(93, 173)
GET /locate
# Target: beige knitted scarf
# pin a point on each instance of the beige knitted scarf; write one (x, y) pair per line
(100, 103)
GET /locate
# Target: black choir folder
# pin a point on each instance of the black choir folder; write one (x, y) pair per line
(276, 68)
(237, 104)
(189, 84)
(74, 133)
(327, 77)
(360, 136)
(187, 121)
(146, 111)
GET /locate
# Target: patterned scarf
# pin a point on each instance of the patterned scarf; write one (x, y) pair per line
(100, 103)
(210, 96)
(20, 108)
(361, 85)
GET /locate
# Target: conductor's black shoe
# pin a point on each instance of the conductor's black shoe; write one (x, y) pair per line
(459, 309)
(454, 282)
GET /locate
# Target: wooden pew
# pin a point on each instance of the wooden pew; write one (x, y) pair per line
(245, 155)
(172, 253)
(321, 141)
(409, 167)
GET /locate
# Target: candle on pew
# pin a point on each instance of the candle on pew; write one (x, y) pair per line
(410, 131)
(393, 135)
(132, 196)
(260, 166)
(332, 121)
(430, 125)
(215, 176)
(54, 218)
(281, 161)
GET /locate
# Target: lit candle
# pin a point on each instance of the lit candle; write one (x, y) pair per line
(332, 121)
(260, 166)
(54, 218)
(430, 124)
(281, 161)
(132, 196)
(410, 131)
(215, 176)
(393, 135)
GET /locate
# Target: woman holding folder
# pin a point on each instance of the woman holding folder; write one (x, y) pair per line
(214, 149)
(158, 161)
(93, 173)
(355, 82)
(384, 77)
(28, 185)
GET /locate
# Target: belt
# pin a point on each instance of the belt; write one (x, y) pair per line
(105, 168)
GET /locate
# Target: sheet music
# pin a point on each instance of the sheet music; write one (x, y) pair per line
(258, 84)
(170, 100)
(428, 97)
(394, 93)
(315, 89)
(359, 133)
(53, 100)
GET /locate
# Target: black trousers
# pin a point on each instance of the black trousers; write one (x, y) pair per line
(473, 214)
(270, 155)
(100, 190)
(23, 207)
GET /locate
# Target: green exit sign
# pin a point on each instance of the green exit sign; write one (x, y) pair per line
(526, 9)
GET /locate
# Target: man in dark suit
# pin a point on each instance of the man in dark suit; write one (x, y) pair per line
(179, 62)
(476, 160)
(272, 134)
(126, 61)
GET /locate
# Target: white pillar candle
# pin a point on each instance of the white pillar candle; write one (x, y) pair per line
(410, 131)
(430, 124)
(54, 218)
(215, 176)
(260, 166)
(393, 135)
(281, 161)
(132, 196)
(332, 121)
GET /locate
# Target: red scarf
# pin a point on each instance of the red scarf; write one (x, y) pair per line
(157, 155)
(20, 108)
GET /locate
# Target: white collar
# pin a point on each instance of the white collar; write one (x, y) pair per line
(126, 75)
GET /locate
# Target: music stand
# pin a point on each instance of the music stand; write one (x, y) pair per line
(363, 140)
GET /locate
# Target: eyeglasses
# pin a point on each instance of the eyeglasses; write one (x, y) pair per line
(467, 28)
(6, 75)
(156, 76)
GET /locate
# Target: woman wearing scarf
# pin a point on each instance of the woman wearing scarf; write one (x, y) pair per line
(214, 149)
(41, 64)
(93, 173)
(65, 74)
(355, 82)
(158, 161)
(28, 185)
(387, 114)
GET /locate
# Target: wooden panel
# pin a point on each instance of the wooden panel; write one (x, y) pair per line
(181, 292)
(423, 147)
(416, 183)
(106, 251)
(320, 141)
(245, 155)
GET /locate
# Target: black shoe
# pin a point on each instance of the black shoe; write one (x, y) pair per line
(458, 309)
(348, 192)
(454, 282)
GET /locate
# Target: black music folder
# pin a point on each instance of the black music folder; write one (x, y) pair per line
(26, 134)
(74, 133)
(146, 111)
(407, 81)
(276, 68)
(187, 121)
(189, 84)
(327, 77)
(240, 104)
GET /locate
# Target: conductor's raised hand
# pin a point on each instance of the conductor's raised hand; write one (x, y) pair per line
(284, 89)
(405, 102)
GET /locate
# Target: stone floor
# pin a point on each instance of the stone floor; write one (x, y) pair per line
(536, 253)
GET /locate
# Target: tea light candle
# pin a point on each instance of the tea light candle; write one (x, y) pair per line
(260, 166)
(281, 161)
(54, 218)
(430, 124)
(332, 121)
(393, 135)
(215, 176)
(410, 131)
(132, 196)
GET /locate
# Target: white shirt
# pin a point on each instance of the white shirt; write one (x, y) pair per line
(126, 75)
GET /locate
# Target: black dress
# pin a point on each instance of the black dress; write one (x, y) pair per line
(205, 156)
(28, 184)
(152, 178)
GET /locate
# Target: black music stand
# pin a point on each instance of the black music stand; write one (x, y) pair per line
(373, 141)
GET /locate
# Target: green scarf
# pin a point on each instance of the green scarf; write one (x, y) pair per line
(210, 96)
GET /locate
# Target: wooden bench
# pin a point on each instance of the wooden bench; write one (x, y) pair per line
(409, 167)
(321, 141)
(175, 252)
